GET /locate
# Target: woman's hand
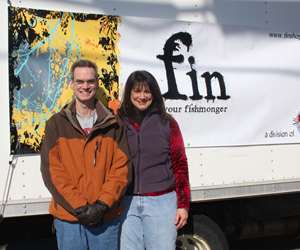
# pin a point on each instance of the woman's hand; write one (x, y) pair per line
(181, 217)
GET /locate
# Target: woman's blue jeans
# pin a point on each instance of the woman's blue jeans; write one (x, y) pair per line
(74, 236)
(149, 222)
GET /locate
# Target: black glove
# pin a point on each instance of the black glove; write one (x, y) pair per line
(91, 215)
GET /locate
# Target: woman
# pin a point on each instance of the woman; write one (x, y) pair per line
(157, 200)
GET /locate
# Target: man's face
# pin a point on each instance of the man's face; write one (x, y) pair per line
(84, 84)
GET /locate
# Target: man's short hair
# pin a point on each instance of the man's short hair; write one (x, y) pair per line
(83, 63)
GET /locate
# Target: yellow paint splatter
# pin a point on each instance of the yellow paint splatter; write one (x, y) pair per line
(66, 37)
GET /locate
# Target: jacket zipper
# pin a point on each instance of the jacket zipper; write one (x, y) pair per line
(95, 153)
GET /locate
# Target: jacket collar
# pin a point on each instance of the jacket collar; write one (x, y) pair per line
(104, 116)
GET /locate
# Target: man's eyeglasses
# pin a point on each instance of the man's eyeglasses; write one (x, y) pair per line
(89, 82)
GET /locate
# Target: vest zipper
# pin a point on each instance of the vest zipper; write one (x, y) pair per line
(138, 165)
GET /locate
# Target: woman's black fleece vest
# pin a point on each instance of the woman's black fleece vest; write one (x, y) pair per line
(150, 155)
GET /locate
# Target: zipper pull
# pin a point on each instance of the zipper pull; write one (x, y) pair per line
(95, 153)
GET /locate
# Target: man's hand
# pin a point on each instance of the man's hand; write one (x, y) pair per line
(181, 217)
(91, 215)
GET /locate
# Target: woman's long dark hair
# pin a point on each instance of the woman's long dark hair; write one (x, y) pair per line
(142, 78)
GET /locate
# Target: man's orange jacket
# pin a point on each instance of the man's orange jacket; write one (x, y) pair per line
(79, 169)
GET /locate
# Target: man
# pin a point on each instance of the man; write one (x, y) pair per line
(84, 166)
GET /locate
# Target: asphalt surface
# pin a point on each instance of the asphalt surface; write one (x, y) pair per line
(255, 244)
(41, 244)
(278, 243)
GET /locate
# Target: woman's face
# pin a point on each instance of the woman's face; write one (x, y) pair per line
(141, 97)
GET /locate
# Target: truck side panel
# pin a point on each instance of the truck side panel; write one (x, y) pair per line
(216, 172)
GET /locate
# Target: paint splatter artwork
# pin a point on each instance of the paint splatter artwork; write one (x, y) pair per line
(42, 47)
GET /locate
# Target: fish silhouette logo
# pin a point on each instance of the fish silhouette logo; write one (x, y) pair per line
(297, 122)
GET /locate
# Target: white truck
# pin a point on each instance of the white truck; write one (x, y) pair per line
(229, 71)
